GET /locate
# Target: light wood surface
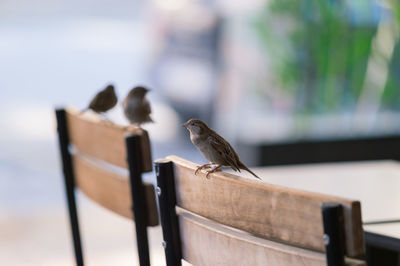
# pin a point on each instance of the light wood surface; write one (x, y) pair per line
(375, 184)
(104, 140)
(111, 189)
(205, 242)
(260, 208)
(387, 229)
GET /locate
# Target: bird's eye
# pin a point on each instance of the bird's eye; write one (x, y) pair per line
(192, 124)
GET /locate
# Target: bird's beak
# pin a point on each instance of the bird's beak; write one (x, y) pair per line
(184, 125)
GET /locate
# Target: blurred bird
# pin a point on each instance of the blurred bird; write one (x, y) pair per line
(136, 107)
(213, 147)
(103, 101)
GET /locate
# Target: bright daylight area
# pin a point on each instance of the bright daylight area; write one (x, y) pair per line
(293, 146)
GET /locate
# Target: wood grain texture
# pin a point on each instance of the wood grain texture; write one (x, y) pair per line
(110, 189)
(205, 242)
(271, 211)
(379, 181)
(104, 140)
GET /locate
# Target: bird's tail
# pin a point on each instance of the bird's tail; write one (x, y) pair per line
(244, 167)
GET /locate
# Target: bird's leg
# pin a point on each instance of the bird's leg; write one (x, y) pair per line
(207, 165)
(217, 168)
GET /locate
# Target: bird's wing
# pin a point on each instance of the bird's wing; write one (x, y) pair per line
(225, 150)
(98, 100)
(146, 106)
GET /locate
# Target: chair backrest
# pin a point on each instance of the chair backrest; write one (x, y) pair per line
(265, 214)
(325, 150)
(105, 161)
(111, 189)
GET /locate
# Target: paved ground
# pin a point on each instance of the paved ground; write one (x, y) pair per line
(42, 238)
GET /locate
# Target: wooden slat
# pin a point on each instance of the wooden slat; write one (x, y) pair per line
(110, 189)
(207, 243)
(271, 211)
(103, 139)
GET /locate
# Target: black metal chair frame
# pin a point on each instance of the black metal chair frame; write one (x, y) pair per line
(134, 159)
(332, 214)
(326, 150)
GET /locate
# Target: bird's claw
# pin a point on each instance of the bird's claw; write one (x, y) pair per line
(207, 165)
(217, 168)
(208, 174)
(195, 172)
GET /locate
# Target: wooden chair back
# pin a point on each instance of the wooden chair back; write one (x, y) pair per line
(105, 161)
(275, 223)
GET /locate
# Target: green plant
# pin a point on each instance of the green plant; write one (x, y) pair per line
(320, 52)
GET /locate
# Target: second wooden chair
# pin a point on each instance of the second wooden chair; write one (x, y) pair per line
(94, 155)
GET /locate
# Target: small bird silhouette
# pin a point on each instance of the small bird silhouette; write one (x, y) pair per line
(213, 147)
(136, 107)
(103, 101)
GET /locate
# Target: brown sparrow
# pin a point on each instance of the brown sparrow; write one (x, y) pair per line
(213, 147)
(136, 107)
(103, 101)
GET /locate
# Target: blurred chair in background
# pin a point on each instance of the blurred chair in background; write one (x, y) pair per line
(187, 57)
(229, 220)
(96, 156)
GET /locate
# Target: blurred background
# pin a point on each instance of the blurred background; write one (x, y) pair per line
(257, 71)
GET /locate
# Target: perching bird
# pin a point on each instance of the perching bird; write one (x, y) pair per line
(213, 147)
(103, 101)
(136, 107)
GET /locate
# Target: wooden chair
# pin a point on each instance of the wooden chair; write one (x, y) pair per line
(94, 156)
(232, 220)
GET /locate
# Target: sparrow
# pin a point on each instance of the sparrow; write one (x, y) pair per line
(214, 148)
(103, 101)
(136, 107)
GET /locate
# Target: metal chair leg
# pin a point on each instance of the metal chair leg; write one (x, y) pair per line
(69, 183)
